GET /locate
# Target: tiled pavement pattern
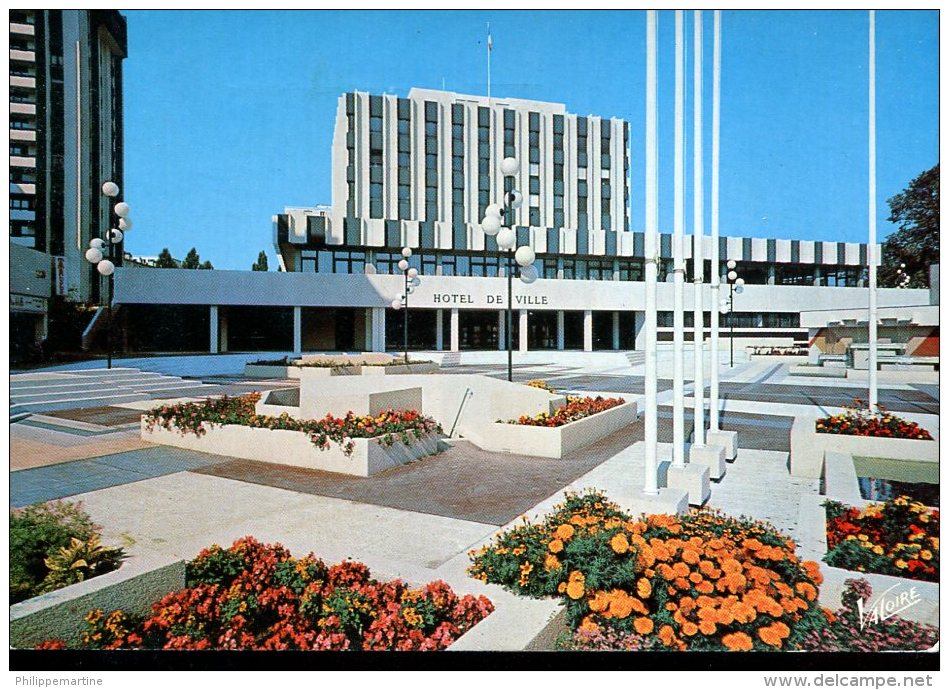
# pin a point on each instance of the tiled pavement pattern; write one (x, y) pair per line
(467, 483)
(917, 399)
(71, 478)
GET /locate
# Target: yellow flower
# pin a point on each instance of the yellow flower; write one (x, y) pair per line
(878, 550)
(926, 554)
(901, 564)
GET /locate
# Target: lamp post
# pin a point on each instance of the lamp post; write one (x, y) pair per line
(411, 281)
(903, 276)
(96, 253)
(498, 222)
(735, 284)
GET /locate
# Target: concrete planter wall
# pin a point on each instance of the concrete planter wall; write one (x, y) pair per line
(283, 447)
(393, 369)
(59, 615)
(553, 442)
(808, 448)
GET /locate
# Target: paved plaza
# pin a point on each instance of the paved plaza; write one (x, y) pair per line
(416, 521)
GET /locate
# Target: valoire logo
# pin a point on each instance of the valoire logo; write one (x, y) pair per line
(886, 605)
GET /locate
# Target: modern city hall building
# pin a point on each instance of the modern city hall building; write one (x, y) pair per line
(419, 172)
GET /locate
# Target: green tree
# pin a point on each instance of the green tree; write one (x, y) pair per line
(261, 263)
(206, 266)
(166, 260)
(916, 243)
(192, 260)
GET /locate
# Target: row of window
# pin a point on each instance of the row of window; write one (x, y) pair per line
(735, 319)
(487, 265)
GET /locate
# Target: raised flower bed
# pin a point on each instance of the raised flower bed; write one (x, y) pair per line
(860, 433)
(258, 597)
(702, 581)
(898, 537)
(880, 424)
(578, 423)
(360, 445)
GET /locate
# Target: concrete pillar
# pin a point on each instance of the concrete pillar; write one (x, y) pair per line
(560, 331)
(587, 330)
(222, 320)
(439, 330)
(502, 331)
(771, 275)
(522, 330)
(639, 321)
(368, 329)
(377, 329)
(298, 329)
(215, 339)
(615, 330)
(455, 332)
(817, 275)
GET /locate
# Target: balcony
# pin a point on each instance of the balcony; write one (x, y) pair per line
(25, 82)
(23, 55)
(23, 108)
(22, 29)
(22, 135)
(22, 162)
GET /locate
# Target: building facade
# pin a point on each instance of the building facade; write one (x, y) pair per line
(65, 141)
(419, 172)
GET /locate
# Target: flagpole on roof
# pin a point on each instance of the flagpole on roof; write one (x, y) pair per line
(872, 240)
(489, 62)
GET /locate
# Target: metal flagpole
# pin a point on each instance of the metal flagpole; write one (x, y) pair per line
(871, 208)
(678, 254)
(715, 278)
(698, 254)
(651, 479)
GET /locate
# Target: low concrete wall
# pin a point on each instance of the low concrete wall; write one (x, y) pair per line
(553, 442)
(266, 371)
(403, 369)
(823, 372)
(59, 615)
(481, 399)
(808, 448)
(283, 447)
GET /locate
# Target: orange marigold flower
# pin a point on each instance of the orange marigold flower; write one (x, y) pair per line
(730, 565)
(666, 635)
(643, 625)
(647, 557)
(671, 606)
(706, 567)
(681, 569)
(691, 557)
(575, 589)
(619, 543)
(621, 604)
(770, 636)
(682, 583)
(813, 571)
(587, 625)
(551, 562)
(696, 577)
(643, 588)
(752, 544)
(707, 627)
(705, 587)
(744, 612)
(565, 531)
(807, 589)
(689, 628)
(599, 601)
(828, 614)
(737, 642)
(660, 551)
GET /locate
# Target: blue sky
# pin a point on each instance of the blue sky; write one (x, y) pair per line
(229, 114)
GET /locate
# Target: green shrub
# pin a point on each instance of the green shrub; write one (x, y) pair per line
(37, 533)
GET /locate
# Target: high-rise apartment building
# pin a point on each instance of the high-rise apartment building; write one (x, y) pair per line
(65, 141)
